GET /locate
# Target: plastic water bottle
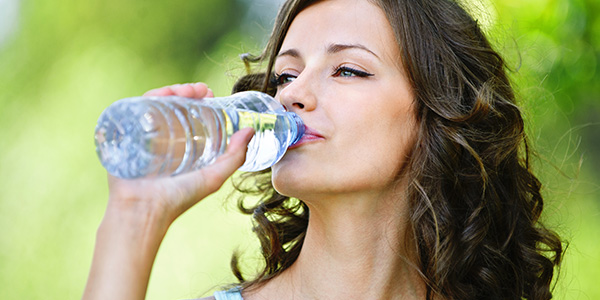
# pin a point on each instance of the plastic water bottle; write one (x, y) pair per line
(161, 136)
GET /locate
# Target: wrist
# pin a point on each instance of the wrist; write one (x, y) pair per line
(136, 219)
(133, 211)
(127, 241)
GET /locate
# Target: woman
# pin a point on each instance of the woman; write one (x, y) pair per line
(414, 168)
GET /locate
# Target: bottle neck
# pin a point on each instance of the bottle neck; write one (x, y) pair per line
(296, 122)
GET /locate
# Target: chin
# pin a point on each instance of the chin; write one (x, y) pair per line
(284, 184)
(292, 182)
(306, 188)
(306, 180)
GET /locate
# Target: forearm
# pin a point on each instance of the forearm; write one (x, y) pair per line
(126, 245)
(140, 211)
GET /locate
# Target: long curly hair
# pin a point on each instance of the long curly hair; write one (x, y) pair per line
(474, 202)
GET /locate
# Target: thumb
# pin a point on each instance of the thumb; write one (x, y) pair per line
(210, 178)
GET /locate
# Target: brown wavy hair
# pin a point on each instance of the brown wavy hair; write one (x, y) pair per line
(474, 202)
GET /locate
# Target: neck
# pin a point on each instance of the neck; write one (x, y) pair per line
(354, 248)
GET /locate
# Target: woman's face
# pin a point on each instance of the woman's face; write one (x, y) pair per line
(339, 69)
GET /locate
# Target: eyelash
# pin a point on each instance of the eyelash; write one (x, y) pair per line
(338, 70)
(278, 79)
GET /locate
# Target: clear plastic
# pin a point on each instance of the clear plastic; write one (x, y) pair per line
(161, 136)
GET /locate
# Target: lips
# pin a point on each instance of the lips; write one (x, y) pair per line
(309, 135)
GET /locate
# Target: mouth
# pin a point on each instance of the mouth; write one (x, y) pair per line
(310, 135)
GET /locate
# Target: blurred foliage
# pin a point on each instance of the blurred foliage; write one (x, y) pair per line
(68, 60)
(553, 47)
(65, 63)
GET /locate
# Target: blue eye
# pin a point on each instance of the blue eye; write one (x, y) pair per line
(283, 78)
(350, 72)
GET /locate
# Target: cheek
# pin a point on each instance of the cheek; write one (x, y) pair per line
(385, 147)
(381, 163)
(368, 151)
(375, 151)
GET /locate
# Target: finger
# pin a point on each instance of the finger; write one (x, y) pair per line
(184, 90)
(188, 90)
(230, 161)
(191, 90)
(210, 178)
(201, 90)
(238, 145)
(163, 91)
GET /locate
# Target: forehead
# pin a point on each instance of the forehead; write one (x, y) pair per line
(342, 21)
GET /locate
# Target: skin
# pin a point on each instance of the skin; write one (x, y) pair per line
(365, 124)
(139, 213)
(347, 174)
(346, 170)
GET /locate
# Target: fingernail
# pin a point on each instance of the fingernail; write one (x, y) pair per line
(249, 137)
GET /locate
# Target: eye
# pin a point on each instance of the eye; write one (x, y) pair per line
(345, 71)
(281, 79)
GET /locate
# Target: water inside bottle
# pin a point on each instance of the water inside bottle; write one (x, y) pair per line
(149, 138)
(271, 134)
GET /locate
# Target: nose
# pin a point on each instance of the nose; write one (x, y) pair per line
(298, 95)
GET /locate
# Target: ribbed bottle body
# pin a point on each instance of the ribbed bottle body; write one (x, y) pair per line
(158, 136)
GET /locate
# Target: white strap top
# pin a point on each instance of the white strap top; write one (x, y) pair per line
(232, 294)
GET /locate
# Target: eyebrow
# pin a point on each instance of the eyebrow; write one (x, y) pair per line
(335, 48)
(290, 52)
(332, 49)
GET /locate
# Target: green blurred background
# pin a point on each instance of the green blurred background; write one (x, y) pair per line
(63, 62)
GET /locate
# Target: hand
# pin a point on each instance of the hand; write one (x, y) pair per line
(140, 211)
(166, 198)
(171, 196)
(197, 90)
